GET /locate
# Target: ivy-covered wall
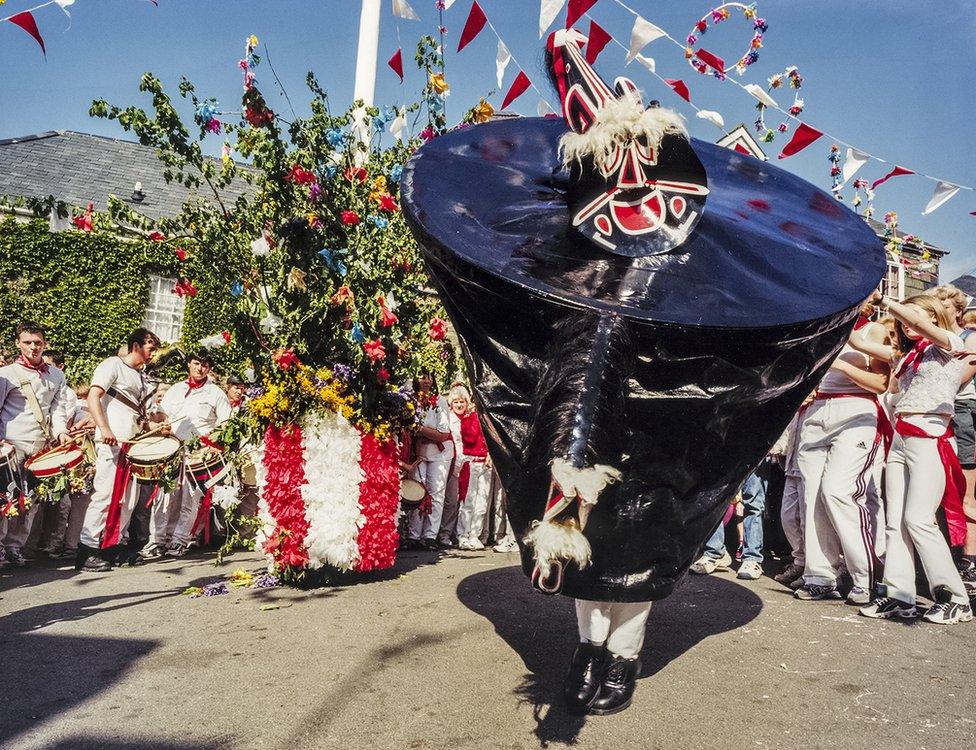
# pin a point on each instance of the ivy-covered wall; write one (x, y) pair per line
(90, 290)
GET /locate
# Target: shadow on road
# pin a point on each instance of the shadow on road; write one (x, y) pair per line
(542, 631)
(84, 742)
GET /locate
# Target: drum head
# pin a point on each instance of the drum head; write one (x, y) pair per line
(412, 492)
(52, 461)
(154, 449)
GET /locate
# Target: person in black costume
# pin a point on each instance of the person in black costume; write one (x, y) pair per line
(641, 314)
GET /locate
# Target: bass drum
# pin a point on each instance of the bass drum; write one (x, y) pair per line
(151, 456)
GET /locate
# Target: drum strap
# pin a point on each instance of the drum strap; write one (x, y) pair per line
(113, 392)
(35, 406)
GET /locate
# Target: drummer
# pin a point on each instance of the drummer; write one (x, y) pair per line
(32, 415)
(194, 408)
(116, 401)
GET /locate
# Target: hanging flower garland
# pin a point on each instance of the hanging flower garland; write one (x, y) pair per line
(835, 179)
(281, 493)
(791, 76)
(704, 61)
(379, 500)
(860, 185)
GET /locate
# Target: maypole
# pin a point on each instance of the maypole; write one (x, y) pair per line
(365, 86)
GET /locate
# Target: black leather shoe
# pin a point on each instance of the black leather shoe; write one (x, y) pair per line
(583, 681)
(81, 557)
(617, 686)
(96, 565)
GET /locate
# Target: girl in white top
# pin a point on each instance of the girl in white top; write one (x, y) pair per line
(920, 464)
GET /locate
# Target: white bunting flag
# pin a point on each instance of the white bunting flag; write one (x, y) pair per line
(713, 117)
(448, 4)
(647, 62)
(943, 192)
(402, 9)
(398, 124)
(853, 161)
(502, 58)
(544, 109)
(548, 10)
(761, 95)
(643, 33)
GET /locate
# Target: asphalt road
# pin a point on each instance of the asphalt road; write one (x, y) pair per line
(454, 652)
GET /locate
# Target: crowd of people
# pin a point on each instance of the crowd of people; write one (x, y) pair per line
(884, 442)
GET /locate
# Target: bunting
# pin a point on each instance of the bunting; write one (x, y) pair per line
(473, 26)
(944, 192)
(577, 9)
(597, 39)
(396, 63)
(26, 21)
(402, 9)
(548, 10)
(519, 87)
(502, 59)
(853, 161)
(643, 33)
(679, 88)
(803, 136)
(896, 172)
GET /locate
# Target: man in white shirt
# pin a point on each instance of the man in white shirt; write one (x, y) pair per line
(435, 449)
(194, 408)
(116, 401)
(32, 415)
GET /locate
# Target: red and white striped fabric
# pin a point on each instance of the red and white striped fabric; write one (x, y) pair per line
(328, 495)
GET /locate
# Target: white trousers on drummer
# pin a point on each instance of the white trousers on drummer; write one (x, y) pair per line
(914, 483)
(106, 461)
(189, 497)
(620, 625)
(836, 458)
(433, 475)
(473, 507)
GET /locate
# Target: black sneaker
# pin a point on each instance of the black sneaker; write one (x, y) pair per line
(96, 564)
(947, 612)
(969, 580)
(887, 608)
(814, 593)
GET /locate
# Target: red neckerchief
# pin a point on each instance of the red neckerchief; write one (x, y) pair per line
(234, 403)
(914, 357)
(41, 368)
(192, 385)
(862, 320)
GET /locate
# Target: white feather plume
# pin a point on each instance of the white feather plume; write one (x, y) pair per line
(552, 542)
(587, 484)
(618, 122)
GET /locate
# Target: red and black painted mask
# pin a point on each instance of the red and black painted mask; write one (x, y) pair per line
(639, 198)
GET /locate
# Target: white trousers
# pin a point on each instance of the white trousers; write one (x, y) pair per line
(19, 526)
(165, 516)
(914, 484)
(836, 458)
(93, 527)
(189, 497)
(473, 507)
(433, 475)
(620, 625)
(791, 516)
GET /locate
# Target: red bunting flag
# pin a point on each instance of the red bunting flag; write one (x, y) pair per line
(597, 39)
(26, 21)
(896, 172)
(577, 9)
(473, 26)
(713, 61)
(679, 88)
(802, 137)
(396, 63)
(519, 87)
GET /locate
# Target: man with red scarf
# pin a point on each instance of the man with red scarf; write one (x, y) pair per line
(116, 402)
(32, 413)
(194, 408)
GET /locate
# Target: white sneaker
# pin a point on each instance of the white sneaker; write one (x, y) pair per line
(465, 544)
(507, 545)
(750, 570)
(706, 565)
(475, 545)
(946, 611)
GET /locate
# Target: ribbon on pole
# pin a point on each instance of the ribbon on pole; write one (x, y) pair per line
(577, 9)
(679, 88)
(597, 39)
(944, 191)
(402, 9)
(519, 87)
(803, 136)
(396, 63)
(853, 161)
(896, 172)
(26, 21)
(643, 33)
(502, 58)
(473, 26)
(548, 10)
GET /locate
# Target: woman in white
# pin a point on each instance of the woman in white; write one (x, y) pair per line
(435, 449)
(474, 471)
(920, 464)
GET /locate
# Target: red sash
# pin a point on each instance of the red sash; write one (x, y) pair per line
(884, 431)
(955, 487)
(464, 476)
(203, 516)
(113, 522)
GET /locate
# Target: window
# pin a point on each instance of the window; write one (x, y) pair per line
(164, 315)
(893, 283)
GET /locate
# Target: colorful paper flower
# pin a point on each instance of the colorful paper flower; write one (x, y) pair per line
(261, 246)
(357, 174)
(344, 295)
(374, 350)
(482, 112)
(387, 318)
(396, 172)
(437, 329)
(357, 333)
(285, 358)
(236, 289)
(380, 222)
(180, 253)
(387, 203)
(296, 279)
(333, 259)
(300, 175)
(427, 133)
(184, 288)
(438, 84)
(335, 138)
(349, 218)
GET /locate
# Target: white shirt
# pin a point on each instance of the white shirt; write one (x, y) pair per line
(131, 383)
(932, 388)
(194, 413)
(18, 424)
(836, 381)
(437, 418)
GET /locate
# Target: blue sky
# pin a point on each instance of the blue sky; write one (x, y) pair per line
(893, 77)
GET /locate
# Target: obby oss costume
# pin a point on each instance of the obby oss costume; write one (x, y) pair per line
(641, 315)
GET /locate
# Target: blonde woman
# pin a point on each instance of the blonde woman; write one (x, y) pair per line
(474, 473)
(923, 470)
